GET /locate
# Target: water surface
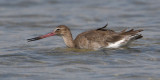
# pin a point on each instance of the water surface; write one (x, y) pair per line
(49, 59)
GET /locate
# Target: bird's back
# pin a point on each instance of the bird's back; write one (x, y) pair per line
(100, 38)
(95, 39)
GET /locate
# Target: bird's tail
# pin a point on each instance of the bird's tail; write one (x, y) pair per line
(133, 33)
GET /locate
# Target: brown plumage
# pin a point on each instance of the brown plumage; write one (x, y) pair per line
(95, 39)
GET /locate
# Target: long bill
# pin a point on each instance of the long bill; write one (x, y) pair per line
(41, 37)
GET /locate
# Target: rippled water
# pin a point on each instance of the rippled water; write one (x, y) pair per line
(49, 59)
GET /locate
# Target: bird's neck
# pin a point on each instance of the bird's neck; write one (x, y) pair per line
(68, 40)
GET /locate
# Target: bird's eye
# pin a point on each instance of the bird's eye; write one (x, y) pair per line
(57, 29)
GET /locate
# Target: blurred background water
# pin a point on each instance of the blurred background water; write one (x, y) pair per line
(49, 59)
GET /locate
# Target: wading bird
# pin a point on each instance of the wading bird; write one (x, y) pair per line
(94, 39)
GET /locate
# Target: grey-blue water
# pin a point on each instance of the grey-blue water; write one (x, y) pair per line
(49, 59)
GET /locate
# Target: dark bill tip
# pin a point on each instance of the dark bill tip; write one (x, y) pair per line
(41, 37)
(34, 39)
